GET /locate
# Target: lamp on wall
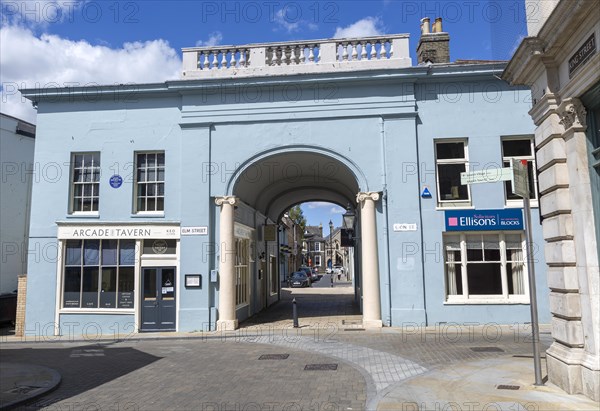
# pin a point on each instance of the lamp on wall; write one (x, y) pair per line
(349, 219)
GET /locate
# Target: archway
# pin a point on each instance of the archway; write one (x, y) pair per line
(269, 184)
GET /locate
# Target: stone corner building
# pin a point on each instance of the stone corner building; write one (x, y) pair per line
(560, 61)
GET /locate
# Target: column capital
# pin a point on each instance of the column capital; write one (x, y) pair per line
(572, 114)
(231, 200)
(368, 195)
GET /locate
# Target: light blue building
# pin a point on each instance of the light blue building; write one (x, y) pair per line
(166, 214)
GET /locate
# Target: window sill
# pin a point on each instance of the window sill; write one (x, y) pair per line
(124, 311)
(454, 207)
(487, 301)
(519, 204)
(83, 215)
(148, 215)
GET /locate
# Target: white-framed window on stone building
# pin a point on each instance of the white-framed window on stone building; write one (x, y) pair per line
(85, 183)
(521, 148)
(149, 192)
(451, 159)
(485, 268)
(98, 274)
(317, 246)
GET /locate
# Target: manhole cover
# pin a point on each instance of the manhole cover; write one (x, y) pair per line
(320, 367)
(273, 356)
(508, 387)
(487, 349)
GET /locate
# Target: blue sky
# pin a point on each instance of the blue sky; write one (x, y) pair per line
(46, 43)
(50, 43)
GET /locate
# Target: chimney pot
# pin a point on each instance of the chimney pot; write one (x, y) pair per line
(437, 25)
(425, 25)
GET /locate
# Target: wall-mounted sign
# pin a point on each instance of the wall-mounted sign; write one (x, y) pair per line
(116, 181)
(270, 232)
(426, 193)
(193, 280)
(405, 227)
(194, 230)
(108, 231)
(582, 55)
(484, 220)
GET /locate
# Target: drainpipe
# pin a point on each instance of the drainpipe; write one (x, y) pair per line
(384, 204)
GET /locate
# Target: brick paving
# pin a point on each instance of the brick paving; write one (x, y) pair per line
(222, 371)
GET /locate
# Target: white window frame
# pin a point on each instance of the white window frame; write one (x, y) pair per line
(317, 246)
(95, 184)
(444, 203)
(519, 202)
(505, 297)
(242, 271)
(136, 185)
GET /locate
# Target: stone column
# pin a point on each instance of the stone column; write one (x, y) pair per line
(370, 260)
(227, 318)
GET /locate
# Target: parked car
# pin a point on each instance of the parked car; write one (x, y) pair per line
(308, 273)
(299, 279)
(314, 275)
(338, 269)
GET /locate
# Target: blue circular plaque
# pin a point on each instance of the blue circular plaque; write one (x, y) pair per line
(116, 181)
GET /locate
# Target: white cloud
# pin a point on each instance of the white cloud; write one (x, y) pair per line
(30, 61)
(318, 204)
(40, 12)
(285, 23)
(214, 39)
(337, 210)
(369, 26)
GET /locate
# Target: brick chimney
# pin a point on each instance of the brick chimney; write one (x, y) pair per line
(434, 44)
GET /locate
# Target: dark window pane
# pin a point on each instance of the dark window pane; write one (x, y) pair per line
(89, 295)
(126, 287)
(160, 159)
(150, 284)
(73, 253)
(109, 252)
(108, 289)
(91, 251)
(484, 279)
(446, 151)
(71, 297)
(450, 186)
(127, 252)
(160, 204)
(516, 148)
(168, 284)
(492, 255)
(160, 246)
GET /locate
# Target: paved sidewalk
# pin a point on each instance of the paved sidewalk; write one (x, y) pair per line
(330, 363)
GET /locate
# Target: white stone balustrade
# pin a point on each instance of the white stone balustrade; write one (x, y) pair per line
(297, 57)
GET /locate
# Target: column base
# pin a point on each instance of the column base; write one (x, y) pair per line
(227, 325)
(573, 370)
(372, 324)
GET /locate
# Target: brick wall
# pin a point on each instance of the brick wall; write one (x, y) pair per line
(434, 47)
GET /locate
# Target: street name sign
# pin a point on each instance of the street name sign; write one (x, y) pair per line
(486, 176)
(520, 179)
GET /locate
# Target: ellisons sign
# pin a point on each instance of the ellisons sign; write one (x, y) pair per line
(484, 220)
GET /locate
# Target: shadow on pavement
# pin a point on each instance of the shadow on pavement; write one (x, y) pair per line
(82, 367)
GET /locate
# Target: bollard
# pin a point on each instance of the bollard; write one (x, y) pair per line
(331, 279)
(295, 312)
